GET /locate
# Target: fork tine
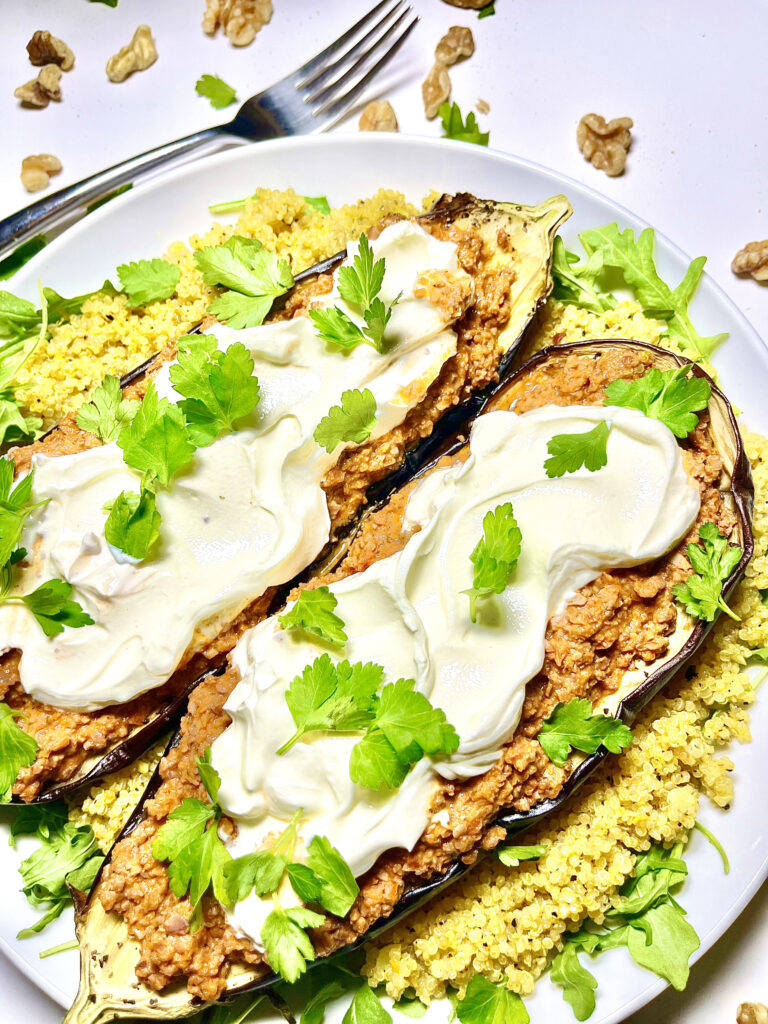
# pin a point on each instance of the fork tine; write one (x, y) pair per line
(362, 51)
(326, 73)
(334, 109)
(318, 61)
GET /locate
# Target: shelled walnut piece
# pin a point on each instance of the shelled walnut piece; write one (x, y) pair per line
(36, 171)
(457, 44)
(138, 55)
(39, 91)
(752, 1013)
(43, 48)
(472, 5)
(240, 20)
(605, 143)
(378, 116)
(752, 259)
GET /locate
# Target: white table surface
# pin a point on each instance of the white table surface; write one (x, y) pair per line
(692, 75)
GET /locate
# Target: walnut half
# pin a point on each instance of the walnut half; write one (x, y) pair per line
(605, 143)
(38, 91)
(36, 170)
(457, 44)
(378, 116)
(752, 1013)
(138, 55)
(752, 259)
(43, 48)
(240, 20)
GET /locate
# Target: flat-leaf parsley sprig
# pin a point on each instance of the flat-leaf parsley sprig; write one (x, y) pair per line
(314, 613)
(574, 726)
(674, 397)
(713, 560)
(569, 452)
(254, 276)
(495, 555)
(359, 286)
(352, 421)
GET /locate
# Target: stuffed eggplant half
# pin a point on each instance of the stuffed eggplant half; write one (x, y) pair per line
(172, 520)
(485, 640)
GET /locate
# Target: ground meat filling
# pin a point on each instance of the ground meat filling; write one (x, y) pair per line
(619, 618)
(66, 739)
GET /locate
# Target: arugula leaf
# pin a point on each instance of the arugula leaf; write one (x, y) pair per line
(671, 396)
(133, 523)
(486, 1003)
(655, 874)
(577, 983)
(365, 1008)
(17, 750)
(21, 254)
(52, 608)
(219, 388)
(328, 697)
(216, 91)
(569, 452)
(319, 203)
(713, 561)
(575, 284)
(107, 412)
(454, 126)
(512, 855)
(410, 1007)
(573, 726)
(360, 283)
(156, 442)
(664, 944)
(41, 820)
(147, 281)
(19, 318)
(338, 888)
(495, 555)
(714, 841)
(254, 274)
(351, 421)
(287, 944)
(313, 612)
(634, 258)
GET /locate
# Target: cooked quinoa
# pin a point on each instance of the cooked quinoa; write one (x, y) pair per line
(110, 337)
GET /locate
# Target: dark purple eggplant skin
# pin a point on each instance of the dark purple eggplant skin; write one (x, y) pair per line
(514, 822)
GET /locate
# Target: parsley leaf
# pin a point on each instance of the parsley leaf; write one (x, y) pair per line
(337, 328)
(329, 697)
(107, 412)
(405, 728)
(147, 281)
(319, 203)
(512, 855)
(15, 505)
(569, 452)
(486, 1003)
(314, 613)
(365, 1008)
(360, 283)
(577, 983)
(52, 608)
(454, 127)
(17, 750)
(575, 284)
(216, 91)
(156, 442)
(338, 888)
(634, 258)
(573, 726)
(254, 274)
(259, 872)
(712, 561)
(219, 388)
(133, 523)
(495, 555)
(671, 396)
(352, 421)
(287, 945)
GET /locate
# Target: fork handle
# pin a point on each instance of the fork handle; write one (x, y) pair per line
(68, 203)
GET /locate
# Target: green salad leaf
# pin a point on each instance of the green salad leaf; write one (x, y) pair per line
(314, 612)
(576, 284)
(569, 452)
(365, 1008)
(338, 888)
(495, 555)
(352, 421)
(577, 983)
(573, 726)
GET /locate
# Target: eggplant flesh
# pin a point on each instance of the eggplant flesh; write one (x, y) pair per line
(109, 989)
(516, 235)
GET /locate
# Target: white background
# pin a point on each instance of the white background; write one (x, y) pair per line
(692, 75)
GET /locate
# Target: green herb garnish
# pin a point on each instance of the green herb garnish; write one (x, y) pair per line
(365, 1008)
(495, 555)
(486, 1003)
(577, 983)
(573, 726)
(107, 412)
(671, 396)
(216, 91)
(286, 942)
(254, 275)
(314, 613)
(713, 561)
(486, 12)
(319, 203)
(455, 127)
(17, 750)
(569, 452)
(148, 281)
(156, 442)
(512, 855)
(352, 421)
(133, 523)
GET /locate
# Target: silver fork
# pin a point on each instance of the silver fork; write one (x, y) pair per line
(310, 99)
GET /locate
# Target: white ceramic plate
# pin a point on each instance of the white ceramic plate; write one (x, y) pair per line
(141, 223)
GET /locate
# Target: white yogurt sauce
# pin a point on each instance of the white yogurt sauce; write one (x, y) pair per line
(408, 614)
(248, 513)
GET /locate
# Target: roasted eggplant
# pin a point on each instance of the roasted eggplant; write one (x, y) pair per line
(508, 243)
(567, 375)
